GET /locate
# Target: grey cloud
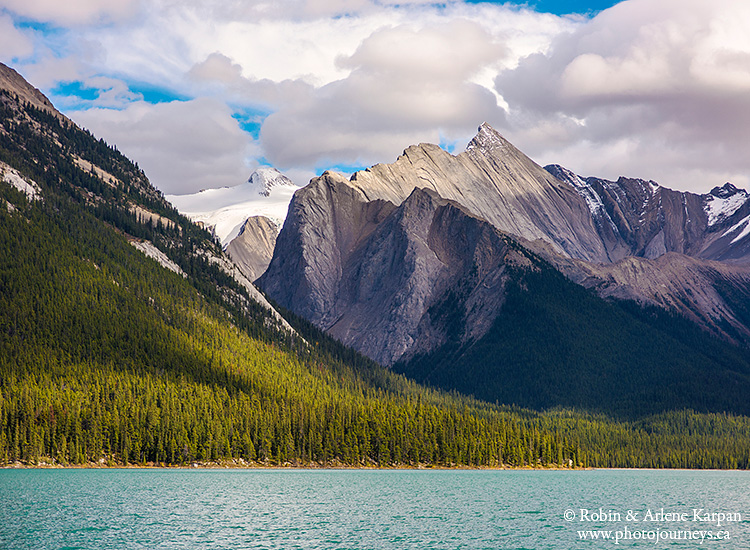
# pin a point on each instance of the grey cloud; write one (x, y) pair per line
(405, 86)
(183, 146)
(667, 84)
(219, 70)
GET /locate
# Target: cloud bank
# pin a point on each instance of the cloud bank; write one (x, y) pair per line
(200, 92)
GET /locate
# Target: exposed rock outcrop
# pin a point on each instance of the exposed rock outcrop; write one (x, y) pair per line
(252, 249)
(389, 280)
(14, 83)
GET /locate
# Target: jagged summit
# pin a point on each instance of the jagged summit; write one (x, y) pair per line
(497, 182)
(488, 139)
(722, 203)
(725, 191)
(264, 179)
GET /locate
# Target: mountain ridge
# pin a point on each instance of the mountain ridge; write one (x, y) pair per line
(635, 217)
(107, 358)
(374, 262)
(510, 191)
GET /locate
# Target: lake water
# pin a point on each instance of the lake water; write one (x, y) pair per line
(372, 509)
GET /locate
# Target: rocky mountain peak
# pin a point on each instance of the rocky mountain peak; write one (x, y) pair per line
(488, 139)
(563, 174)
(494, 181)
(266, 178)
(724, 202)
(725, 191)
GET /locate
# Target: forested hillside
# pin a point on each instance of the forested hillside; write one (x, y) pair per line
(106, 356)
(555, 343)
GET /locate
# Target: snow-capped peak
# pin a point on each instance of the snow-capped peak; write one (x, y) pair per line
(266, 193)
(266, 178)
(723, 202)
(725, 191)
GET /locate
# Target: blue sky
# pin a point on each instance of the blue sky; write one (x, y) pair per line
(562, 7)
(201, 92)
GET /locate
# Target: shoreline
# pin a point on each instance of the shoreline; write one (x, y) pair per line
(251, 465)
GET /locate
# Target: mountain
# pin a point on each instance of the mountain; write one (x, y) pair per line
(430, 263)
(497, 182)
(252, 249)
(381, 266)
(128, 336)
(641, 218)
(223, 211)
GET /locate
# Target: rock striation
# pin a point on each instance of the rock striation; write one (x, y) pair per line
(497, 182)
(389, 280)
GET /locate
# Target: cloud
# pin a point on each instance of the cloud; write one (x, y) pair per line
(219, 72)
(72, 12)
(405, 85)
(13, 43)
(654, 88)
(182, 146)
(345, 83)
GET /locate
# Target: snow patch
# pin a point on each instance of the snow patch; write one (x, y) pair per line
(13, 177)
(718, 208)
(744, 233)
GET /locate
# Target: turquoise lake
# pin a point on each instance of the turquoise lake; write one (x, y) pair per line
(372, 509)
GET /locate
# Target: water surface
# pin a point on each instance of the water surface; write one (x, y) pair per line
(367, 509)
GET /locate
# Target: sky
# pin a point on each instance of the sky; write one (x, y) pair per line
(201, 92)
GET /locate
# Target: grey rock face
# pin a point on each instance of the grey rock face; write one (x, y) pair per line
(253, 248)
(405, 257)
(494, 181)
(13, 82)
(382, 278)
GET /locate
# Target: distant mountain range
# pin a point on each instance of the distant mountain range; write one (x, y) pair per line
(223, 211)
